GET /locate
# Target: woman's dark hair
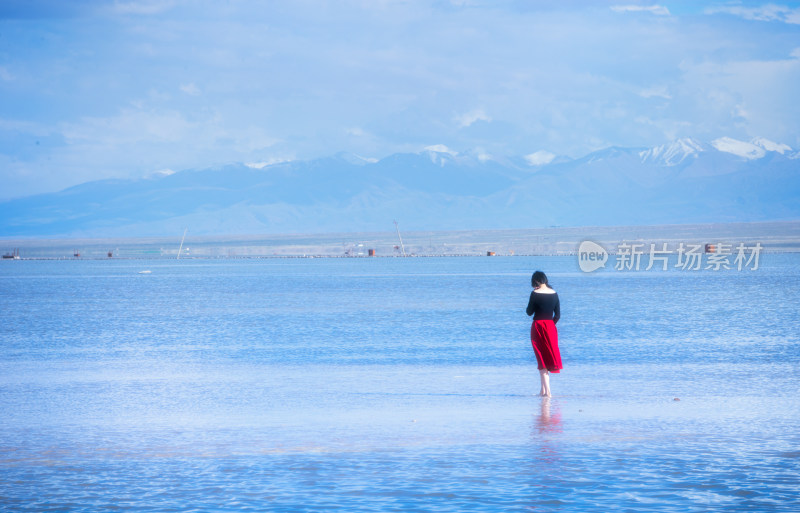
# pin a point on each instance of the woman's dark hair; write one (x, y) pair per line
(538, 278)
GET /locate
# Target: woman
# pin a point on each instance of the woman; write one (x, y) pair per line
(546, 310)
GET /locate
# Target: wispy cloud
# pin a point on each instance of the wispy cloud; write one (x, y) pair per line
(130, 126)
(190, 89)
(356, 131)
(467, 119)
(160, 173)
(768, 12)
(26, 127)
(540, 158)
(147, 7)
(441, 148)
(123, 88)
(656, 92)
(658, 10)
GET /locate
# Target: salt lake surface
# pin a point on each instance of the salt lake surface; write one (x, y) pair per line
(395, 385)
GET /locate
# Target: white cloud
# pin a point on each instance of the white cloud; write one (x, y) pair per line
(742, 98)
(5, 75)
(356, 131)
(657, 92)
(658, 10)
(129, 126)
(540, 158)
(137, 129)
(160, 173)
(441, 148)
(190, 89)
(143, 6)
(360, 81)
(465, 120)
(768, 12)
(26, 127)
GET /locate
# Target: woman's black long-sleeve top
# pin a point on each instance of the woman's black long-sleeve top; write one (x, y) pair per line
(544, 307)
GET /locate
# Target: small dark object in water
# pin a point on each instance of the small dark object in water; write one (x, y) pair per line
(676, 399)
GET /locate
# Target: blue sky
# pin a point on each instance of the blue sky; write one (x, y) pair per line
(92, 90)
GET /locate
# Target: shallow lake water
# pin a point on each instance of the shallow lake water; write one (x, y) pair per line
(395, 384)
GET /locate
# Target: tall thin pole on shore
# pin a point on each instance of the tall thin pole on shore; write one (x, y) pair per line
(181, 248)
(401, 239)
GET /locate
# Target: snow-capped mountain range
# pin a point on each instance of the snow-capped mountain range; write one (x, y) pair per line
(685, 181)
(676, 152)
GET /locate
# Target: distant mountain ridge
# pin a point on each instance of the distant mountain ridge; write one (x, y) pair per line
(686, 181)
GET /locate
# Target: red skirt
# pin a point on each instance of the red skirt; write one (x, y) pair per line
(544, 339)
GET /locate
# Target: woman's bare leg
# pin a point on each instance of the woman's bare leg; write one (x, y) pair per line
(544, 374)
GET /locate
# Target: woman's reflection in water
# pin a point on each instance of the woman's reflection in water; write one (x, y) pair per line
(545, 425)
(549, 419)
